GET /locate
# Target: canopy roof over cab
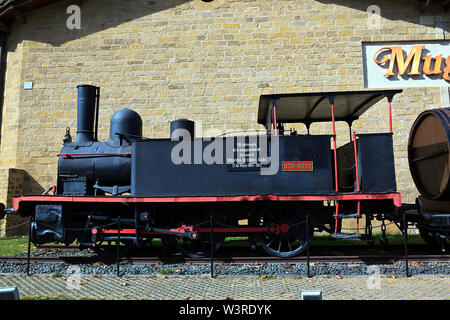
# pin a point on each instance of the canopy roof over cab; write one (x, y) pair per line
(316, 107)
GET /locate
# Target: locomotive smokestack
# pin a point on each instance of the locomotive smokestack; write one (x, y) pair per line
(86, 103)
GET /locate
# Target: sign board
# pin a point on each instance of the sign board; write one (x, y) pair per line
(406, 64)
(248, 154)
(298, 166)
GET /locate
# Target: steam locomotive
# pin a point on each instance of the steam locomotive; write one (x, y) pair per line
(275, 186)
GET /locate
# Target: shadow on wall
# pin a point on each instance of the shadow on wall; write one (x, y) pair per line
(405, 10)
(101, 15)
(95, 16)
(19, 182)
(31, 186)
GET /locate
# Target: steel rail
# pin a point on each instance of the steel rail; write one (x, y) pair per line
(381, 259)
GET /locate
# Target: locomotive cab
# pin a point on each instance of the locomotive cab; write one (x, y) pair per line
(365, 163)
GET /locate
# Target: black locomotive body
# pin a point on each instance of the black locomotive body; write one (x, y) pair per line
(236, 170)
(276, 186)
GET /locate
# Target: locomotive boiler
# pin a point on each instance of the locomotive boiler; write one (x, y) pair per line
(89, 167)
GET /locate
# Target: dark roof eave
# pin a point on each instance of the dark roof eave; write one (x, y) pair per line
(9, 9)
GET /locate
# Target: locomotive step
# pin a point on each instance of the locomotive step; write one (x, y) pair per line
(347, 216)
(86, 244)
(352, 236)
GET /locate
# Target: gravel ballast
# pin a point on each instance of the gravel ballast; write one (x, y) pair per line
(322, 269)
(278, 270)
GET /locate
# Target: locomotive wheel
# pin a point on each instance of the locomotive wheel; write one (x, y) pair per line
(287, 231)
(432, 239)
(428, 236)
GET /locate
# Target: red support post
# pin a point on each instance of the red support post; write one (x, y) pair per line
(336, 218)
(275, 118)
(336, 184)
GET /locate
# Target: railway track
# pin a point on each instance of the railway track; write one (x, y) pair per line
(349, 254)
(379, 259)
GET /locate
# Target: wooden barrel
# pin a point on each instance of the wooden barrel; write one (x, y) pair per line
(428, 153)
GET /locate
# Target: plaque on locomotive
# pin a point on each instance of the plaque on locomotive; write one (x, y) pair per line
(247, 153)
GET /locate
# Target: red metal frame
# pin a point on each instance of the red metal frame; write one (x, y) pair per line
(272, 228)
(396, 197)
(182, 229)
(276, 229)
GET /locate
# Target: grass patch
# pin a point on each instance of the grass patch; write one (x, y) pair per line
(55, 297)
(395, 239)
(319, 240)
(167, 272)
(14, 245)
(236, 242)
(328, 240)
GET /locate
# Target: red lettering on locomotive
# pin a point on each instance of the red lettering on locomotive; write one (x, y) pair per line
(298, 166)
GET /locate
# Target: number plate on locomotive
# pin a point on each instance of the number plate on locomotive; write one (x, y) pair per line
(298, 166)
